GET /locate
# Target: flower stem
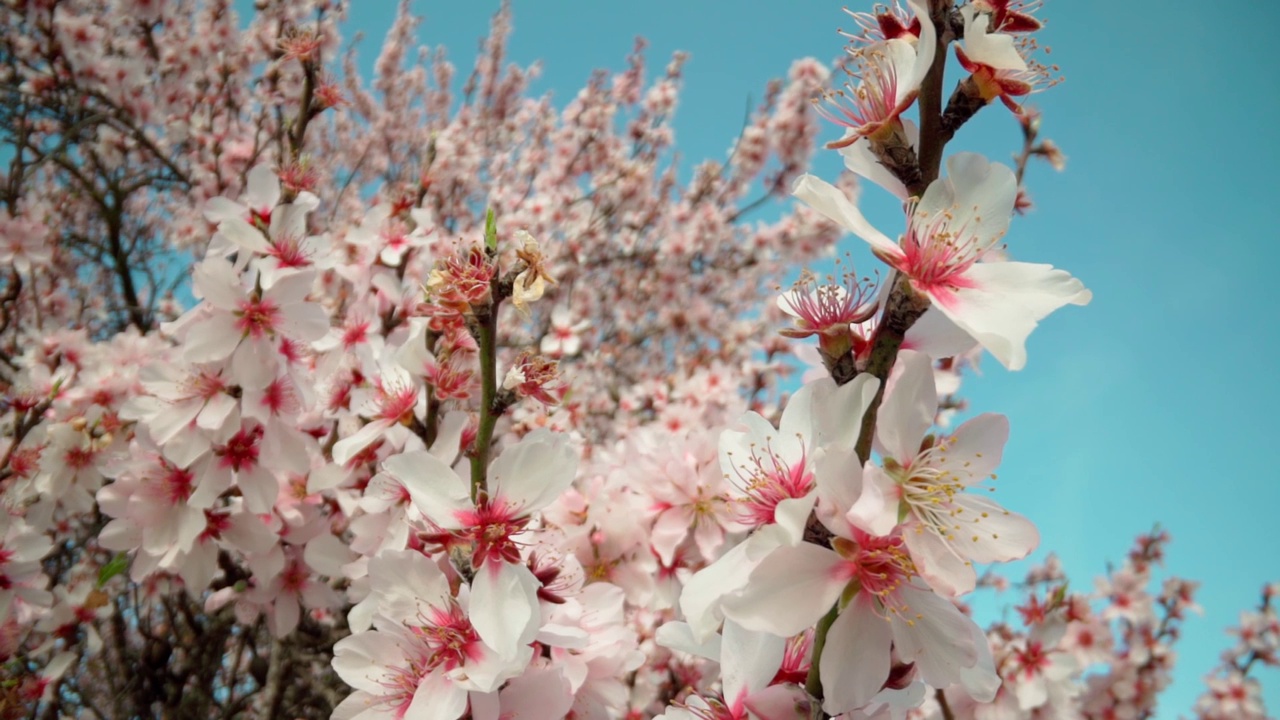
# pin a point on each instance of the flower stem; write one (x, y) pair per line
(904, 306)
(487, 340)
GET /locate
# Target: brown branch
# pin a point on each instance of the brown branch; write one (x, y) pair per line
(930, 102)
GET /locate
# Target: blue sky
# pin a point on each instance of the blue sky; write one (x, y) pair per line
(1152, 404)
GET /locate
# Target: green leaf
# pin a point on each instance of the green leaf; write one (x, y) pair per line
(117, 565)
(491, 231)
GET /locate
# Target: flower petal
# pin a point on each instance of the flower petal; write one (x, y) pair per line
(937, 559)
(855, 661)
(832, 203)
(993, 533)
(976, 195)
(435, 488)
(789, 590)
(535, 471)
(1005, 302)
(975, 450)
(876, 510)
(910, 403)
(504, 607)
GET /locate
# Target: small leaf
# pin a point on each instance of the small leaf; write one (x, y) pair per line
(491, 231)
(114, 567)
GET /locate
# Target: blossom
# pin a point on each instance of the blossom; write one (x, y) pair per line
(923, 483)
(563, 339)
(873, 583)
(21, 548)
(749, 662)
(242, 324)
(998, 68)
(950, 232)
(151, 513)
(262, 193)
(24, 243)
(393, 401)
(888, 80)
(424, 656)
(525, 478)
(771, 469)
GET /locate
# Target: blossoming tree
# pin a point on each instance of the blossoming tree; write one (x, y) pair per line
(476, 409)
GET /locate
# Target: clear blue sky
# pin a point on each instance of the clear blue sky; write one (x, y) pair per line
(1152, 404)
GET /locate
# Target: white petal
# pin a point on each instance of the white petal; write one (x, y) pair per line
(749, 660)
(976, 195)
(909, 406)
(436, 489)
(791, 515)
(219, 208)
(702, 595)
(540, 694)
(535, 471)
(936, 336)
(837, 415)
(350, 446)
(993, 49)
(211, 339)
(860, 160)
(876, 510)
(504, 606)
(244, 235)
(362, 660)
(939, 639)
(855, 660)
(303, 321)
(263, 189)
(1006, 301)
(437, 698)
(832, 203)
(291, 289)
(789, 590)
(975, 450)
(838, 476)
(327, 554)
(679, 636)
(938, 561)
(254, 363)
(215, 281)
(927, 43)
(993, 534)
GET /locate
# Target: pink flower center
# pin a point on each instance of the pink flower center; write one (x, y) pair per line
(78, 458)
(1033, 659)
(355, 334)
(936, 256)
(396, 401)
(215, 523)
(289, 252)
(869, 98)
(878, 565)
(491, 527)
(258, 317)
(828, 308)
(241, 451)
(767, 480)
(279, 397)
(205, 385)
(294, 578)
(176, 485)
(447, 640)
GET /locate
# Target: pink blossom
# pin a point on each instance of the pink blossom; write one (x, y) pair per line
(524, 478)
(960, 218)
(921, 485)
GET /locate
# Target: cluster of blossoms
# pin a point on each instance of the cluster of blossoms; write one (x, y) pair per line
(474, 413)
